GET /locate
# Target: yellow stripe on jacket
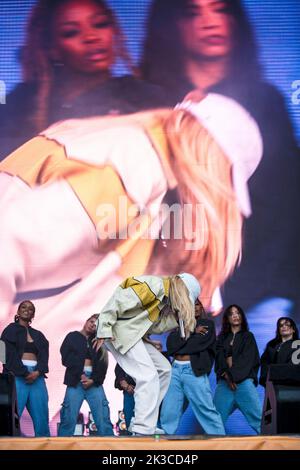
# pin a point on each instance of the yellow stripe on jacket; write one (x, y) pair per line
(147, 297)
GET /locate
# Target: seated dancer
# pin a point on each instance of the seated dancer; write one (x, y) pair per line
(126, 384)
(84, 377)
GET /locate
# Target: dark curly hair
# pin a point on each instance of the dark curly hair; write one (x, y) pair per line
(226, 327)
(17, 318)
(277, 338)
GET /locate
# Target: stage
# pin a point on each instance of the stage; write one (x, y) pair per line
(170, 443)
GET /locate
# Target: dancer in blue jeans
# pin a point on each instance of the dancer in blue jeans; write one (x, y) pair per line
(27, 355)
(85, 374)
(126, 384)
(193, 361)
(236, 366)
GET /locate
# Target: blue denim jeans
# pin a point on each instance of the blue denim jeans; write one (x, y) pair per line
(35, 398)
(98, 404)
(128, 407)
(185, 385)
(245, 398)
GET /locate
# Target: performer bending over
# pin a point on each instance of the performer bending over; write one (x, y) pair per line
(141, 306)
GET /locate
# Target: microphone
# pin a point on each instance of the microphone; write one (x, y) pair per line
(181, 328)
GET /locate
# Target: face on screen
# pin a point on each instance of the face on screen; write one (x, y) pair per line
(206, 30)
(83, 37)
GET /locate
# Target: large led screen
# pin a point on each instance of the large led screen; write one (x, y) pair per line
(104, 175)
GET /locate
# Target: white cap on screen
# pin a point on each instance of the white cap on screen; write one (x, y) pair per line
(237, 133)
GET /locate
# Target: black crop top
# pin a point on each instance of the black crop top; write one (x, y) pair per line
(30, 347)
(229, 352)
(88, 352)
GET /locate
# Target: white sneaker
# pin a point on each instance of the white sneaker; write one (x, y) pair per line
(159, 431)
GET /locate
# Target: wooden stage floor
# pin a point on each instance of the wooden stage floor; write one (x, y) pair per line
(284, 442)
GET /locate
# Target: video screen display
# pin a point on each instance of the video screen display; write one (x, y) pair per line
(148, 138)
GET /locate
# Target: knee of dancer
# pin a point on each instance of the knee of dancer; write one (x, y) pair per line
(150, 377)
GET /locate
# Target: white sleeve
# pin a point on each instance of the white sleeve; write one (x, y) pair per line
(123, 300)
(125, 147)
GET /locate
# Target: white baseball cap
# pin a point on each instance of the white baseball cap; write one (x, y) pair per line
(192, 285)
(237, 133)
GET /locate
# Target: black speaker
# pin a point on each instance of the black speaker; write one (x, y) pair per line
(9, 418)
(281, 412)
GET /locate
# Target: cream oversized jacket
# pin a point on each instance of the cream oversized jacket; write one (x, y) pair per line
(134, 310)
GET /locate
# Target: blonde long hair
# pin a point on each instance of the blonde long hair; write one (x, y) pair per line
(203, 174)
(182, 304)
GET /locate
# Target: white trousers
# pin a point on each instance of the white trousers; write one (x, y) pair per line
(152, 374)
